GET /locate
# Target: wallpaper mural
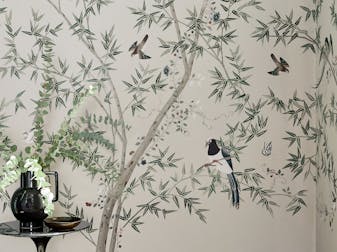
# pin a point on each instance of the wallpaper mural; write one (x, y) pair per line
(326, 73)
(163, 107)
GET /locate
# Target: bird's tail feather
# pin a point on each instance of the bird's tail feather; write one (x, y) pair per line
(234, 189)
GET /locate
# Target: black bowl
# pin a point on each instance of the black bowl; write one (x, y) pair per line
(62, 223)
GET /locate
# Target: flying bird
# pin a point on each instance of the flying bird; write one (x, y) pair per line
(281, 65)
(137, 48)
(222, 160)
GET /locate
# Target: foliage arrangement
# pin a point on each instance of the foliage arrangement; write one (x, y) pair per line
(98, 141)
(34, 159)
(16, 165)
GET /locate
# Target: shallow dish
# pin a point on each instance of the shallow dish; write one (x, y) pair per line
(62, 223)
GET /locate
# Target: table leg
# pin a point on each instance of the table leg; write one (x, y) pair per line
(41, 243)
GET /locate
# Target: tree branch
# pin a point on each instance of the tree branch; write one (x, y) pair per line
(178, 31)
(101, 241)
(115, 227)
(115, 193)
(112, 245)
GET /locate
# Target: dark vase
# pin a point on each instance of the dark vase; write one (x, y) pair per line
(27, 204)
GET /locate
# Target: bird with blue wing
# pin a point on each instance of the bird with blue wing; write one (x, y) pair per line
(221, 159)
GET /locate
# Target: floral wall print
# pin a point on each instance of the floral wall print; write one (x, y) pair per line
(166, 108)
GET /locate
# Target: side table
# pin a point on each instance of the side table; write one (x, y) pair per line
(41, 237)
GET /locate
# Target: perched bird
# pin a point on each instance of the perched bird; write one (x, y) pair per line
(137, 48)
(281, 66)
(222, 160)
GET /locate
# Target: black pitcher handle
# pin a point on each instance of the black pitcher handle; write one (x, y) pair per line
(56, 176)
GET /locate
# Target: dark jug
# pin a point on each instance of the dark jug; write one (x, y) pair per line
(27, 202)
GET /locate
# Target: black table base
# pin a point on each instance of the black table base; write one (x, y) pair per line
(41, 243)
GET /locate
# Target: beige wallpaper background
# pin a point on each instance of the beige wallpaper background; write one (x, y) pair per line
(249, 229)
(326, 205)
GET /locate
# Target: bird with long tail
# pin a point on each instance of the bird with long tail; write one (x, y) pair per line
(221, 159)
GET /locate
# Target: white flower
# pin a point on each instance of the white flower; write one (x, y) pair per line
(49, 208)
(9, 163)
(33, 165)
(33, 169)
(45, 191)
(12, 162)
(11, 173)
(50, 197)
(29, 163)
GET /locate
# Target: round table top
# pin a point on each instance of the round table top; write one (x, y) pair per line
(12, 228)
